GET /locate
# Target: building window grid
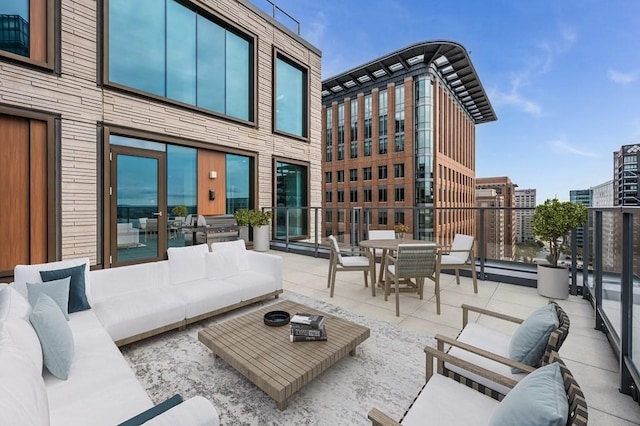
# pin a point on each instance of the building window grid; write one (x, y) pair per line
(341, 132)
(382, 122)
(354, 129)
(367, 125)
(329, 135)
(399, 135)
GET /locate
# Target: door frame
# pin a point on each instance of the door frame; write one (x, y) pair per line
(112, 208)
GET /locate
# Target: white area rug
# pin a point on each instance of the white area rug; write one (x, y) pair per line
(387, 373)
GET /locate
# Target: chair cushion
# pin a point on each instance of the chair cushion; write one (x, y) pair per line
(539, 399)
(23, 397)
(55, 336)
(187, 263)
(355, 261)
(77, 294)
(530, 338)
(334, 246)
(58, 290)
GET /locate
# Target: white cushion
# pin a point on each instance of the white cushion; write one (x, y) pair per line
(444, 401)
(13, 304)
(461, 242)
(31, 273)
(24, 337)
(450, 259)
(253, 284)
(348, 261)
(23, 398)
(101, 388)
(382, 234)
(133, 313)
(226, 258)
(268, 264)
(492, 341)
(187, 263)
(203, 296)
(196, 411)
(106, 283)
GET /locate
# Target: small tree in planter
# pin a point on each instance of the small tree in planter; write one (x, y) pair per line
(179, 211)
(553, 222)
(243, 218)
(260, 221)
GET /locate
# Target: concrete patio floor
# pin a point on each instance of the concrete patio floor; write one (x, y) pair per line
(586, 351)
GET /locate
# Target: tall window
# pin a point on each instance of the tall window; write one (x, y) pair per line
(24, 28)
(382, 218)
(399, 146)
(180, 54)
(328, 196)
(341, 132)
(340, 194)
(290, 97)
(382, 172)
(353, 195)
(354, 128)
(353, 174)
(382, 194)
(182, 176)
(398, 170)
(367, 195)
(399, 193)
(366, 173)
(382, 122)
(340, 175)
(367, 125)
(398, 216)
(291, 192)
(327, 177)
(329, 135)
(238, 182)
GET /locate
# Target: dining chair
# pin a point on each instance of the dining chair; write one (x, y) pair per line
(337, 262)
(381, 234)
(417, 261)
(459, 256)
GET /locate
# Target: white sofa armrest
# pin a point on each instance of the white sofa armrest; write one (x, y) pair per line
(196, 411)
(265, 263)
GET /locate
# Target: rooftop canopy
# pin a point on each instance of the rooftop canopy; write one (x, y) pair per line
(451, 61)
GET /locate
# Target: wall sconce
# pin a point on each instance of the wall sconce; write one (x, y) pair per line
(213, 174)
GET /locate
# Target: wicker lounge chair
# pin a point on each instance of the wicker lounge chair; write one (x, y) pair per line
(444, 401)
(417, 261)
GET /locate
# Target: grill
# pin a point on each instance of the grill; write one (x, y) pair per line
(219, 228)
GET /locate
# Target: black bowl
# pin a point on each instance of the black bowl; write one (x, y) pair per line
(277, 318)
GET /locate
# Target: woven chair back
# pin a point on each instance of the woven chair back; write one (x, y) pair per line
(415, 260)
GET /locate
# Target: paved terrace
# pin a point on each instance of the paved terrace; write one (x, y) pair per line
(586, 351)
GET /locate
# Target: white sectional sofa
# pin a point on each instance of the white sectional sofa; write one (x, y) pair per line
(127, 304)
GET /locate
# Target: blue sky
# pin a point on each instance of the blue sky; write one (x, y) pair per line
(562, 75)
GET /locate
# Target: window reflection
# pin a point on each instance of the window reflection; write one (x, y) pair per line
(182, 177)
(14, 26)
(290, 98)
(205, 64)
(238, 185)
(291, 191)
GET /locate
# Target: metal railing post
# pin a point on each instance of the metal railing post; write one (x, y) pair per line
(626, 303)
(574, 258)
(315, 232)
(597, 271)
(585, 261)
(286, 229)
(483, 246)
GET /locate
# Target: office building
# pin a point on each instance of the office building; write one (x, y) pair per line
(490, 223)
(580, 196)
(525, 207)
(118, 113)
(503, 187)
(625, 175)
(602, 196)
(399, 138)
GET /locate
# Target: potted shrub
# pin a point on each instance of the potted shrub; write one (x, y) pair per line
(553, 222)
(260, 220)
(243, 217)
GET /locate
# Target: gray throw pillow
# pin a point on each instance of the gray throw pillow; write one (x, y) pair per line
(530, 339)
(58, 290)
(55, 336)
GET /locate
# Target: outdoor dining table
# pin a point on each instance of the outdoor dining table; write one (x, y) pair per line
(386, 246)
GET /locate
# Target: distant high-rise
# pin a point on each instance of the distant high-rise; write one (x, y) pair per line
(580, 196)
(490, 224)
(14, 34)
(505, 188)
(525, 198)
(625, 175)
(602, 196)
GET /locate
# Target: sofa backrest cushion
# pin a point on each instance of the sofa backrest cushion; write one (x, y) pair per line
(55, 336)
(187, 263)
(25, 338)
(109, 282)
(226, 259)
(13, 304)
(58, 290)
(23, 397)
(23, 274)
(77, 286)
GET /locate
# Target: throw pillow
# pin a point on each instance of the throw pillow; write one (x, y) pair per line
(13, 304)
(23, 397)
(538, 399)
(24, 337)
(530, 339)
(58, 290)
(77, 294)
(152, 412)
(55, 336)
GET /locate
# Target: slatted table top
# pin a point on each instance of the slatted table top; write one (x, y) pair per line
(269, 360)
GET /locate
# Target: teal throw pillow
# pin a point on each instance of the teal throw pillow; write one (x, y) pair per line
(530, 339)
(77, 295)
(58, 290)
(538, 399)
(154, 411)
(55, 336)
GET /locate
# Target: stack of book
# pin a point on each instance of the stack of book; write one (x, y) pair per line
(307, 328)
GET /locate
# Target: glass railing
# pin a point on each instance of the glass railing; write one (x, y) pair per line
(603, 257)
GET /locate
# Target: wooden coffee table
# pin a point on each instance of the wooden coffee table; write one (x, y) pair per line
(266, 357)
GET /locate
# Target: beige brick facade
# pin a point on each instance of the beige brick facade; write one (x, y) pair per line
(83, 104)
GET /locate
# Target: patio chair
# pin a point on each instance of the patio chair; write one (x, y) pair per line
(539, 398)
(411, 261)
(459, 256)
(337, 262)
(381, 234)
(490, 348)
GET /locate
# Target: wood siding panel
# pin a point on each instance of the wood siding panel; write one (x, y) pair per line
(14, 191)
(38, 30)
(38, 213)
(211, 161)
